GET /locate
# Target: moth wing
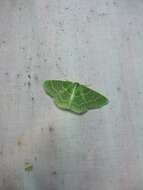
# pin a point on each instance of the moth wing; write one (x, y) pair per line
(78, 103)
(92, 99)
(56, 87)
(60, 90)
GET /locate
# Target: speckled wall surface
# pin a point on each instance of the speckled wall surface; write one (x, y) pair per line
(96, 42)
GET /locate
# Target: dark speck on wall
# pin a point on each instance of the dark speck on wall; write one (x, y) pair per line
(114, 3)
(28, 68)
(29, 76)
(32, 98)
(63, 182)
(23, 48)
(3, 41)
(59, 58)
(60, 69)
(61, 23)
(38, 66)
(127, 38)
(54, 173)
(130, 23)
(1, 152)
(110, 180)
(18, 75)
(91, 10)
(19, 143)
(6, 73)
(36, 77)
(41, 43)
(102, 14)
(3, 181)
(29, 84)
(88, 19)
(138, 156)
(51, 129)
(107, 3)
(20, 8)
(118, 89)
(38, 54)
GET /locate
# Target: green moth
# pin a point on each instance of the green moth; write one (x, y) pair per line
(28, 167)
(73, 96)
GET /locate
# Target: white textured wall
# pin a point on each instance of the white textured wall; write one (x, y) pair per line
(96, 42)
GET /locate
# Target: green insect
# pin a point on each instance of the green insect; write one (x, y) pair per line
(28, 167)
(73, 96)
